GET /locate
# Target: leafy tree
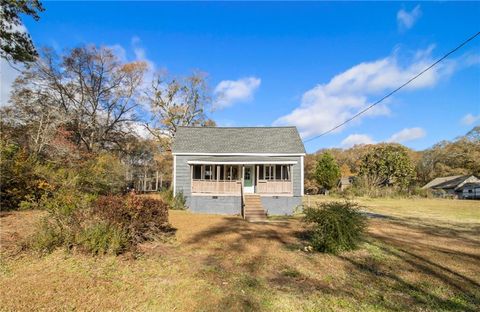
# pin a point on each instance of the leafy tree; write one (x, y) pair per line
(310, 185)
(387, 164)
(15, 43)
(327, 171)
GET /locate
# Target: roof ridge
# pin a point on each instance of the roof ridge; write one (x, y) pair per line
(240, 127)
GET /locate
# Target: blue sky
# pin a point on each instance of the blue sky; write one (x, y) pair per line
(306, 64)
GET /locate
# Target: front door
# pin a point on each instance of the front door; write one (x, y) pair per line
(248, 180)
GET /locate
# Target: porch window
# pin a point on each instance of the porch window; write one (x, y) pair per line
(231, 172)
(197, 172)
(208, 172)
(269, 172)
(284, 172)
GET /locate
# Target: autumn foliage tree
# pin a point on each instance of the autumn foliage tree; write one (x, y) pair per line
(458, 157)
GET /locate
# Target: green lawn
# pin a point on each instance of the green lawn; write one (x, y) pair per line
(417, 258)
(449, 210)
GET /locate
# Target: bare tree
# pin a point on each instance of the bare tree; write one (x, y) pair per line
(176, 102)
(89, 87)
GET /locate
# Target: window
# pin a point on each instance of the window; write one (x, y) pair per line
(278, 172)
(208, 172)
(260, 173)
(269, 172)
(197, 172)
(231, 172)
(220, 172)
(285, 172)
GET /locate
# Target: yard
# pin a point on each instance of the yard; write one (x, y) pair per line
(419, 255)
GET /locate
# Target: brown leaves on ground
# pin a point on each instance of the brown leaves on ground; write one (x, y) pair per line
(15, 226)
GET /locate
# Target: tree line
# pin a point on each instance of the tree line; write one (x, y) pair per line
(86, 105)
(392, 168)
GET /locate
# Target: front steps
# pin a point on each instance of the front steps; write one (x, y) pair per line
(254, 211)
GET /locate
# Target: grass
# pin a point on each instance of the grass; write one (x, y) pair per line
(416, 257)
(450, 210)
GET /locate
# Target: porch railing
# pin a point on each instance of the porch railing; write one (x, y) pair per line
(217, 186)
(274, 187)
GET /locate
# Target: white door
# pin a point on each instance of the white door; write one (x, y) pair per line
(248, 180)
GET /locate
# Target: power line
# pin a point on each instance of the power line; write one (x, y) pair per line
(397, 89)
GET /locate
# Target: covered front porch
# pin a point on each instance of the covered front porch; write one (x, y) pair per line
(234, 177)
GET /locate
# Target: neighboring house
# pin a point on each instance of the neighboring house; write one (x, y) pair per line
(471, 190)
(239, 170)
(452, 185)
(345, 182)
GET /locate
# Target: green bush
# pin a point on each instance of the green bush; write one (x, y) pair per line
(177, 202)
(335, 226)
(18, 178)
(102, 238)
(67, 212)
(48, 236)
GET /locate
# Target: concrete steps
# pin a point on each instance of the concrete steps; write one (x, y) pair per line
(254, 211)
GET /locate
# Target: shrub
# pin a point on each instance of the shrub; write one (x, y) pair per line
(48, 237)
(335, 226)
(142, 218)
(109, 224)
(66, 214)
(18, 179)
(103, 238)
(177, 202)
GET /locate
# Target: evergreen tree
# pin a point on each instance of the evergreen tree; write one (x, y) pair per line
(327, 171)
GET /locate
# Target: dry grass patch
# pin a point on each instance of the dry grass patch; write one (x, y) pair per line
(222, 263)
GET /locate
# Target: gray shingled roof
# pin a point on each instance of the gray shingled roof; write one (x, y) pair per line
(242, 159)
(447, 182)
(437, 181)
(276, 140)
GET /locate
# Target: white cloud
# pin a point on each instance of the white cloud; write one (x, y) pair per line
(119, 52)
(140, 130)
(470, 119)
(407, 134)
(327, 105)
(406, 19)
(8, 75)
(229, 92)
(356, 139)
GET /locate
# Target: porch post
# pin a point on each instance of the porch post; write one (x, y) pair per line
(243, 174)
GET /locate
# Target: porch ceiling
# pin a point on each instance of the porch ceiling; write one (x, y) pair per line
(242, 160)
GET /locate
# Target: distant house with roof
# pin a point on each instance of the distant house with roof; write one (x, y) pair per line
(252, 171)
(345, 182)
(471, 190)
(452, 185)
